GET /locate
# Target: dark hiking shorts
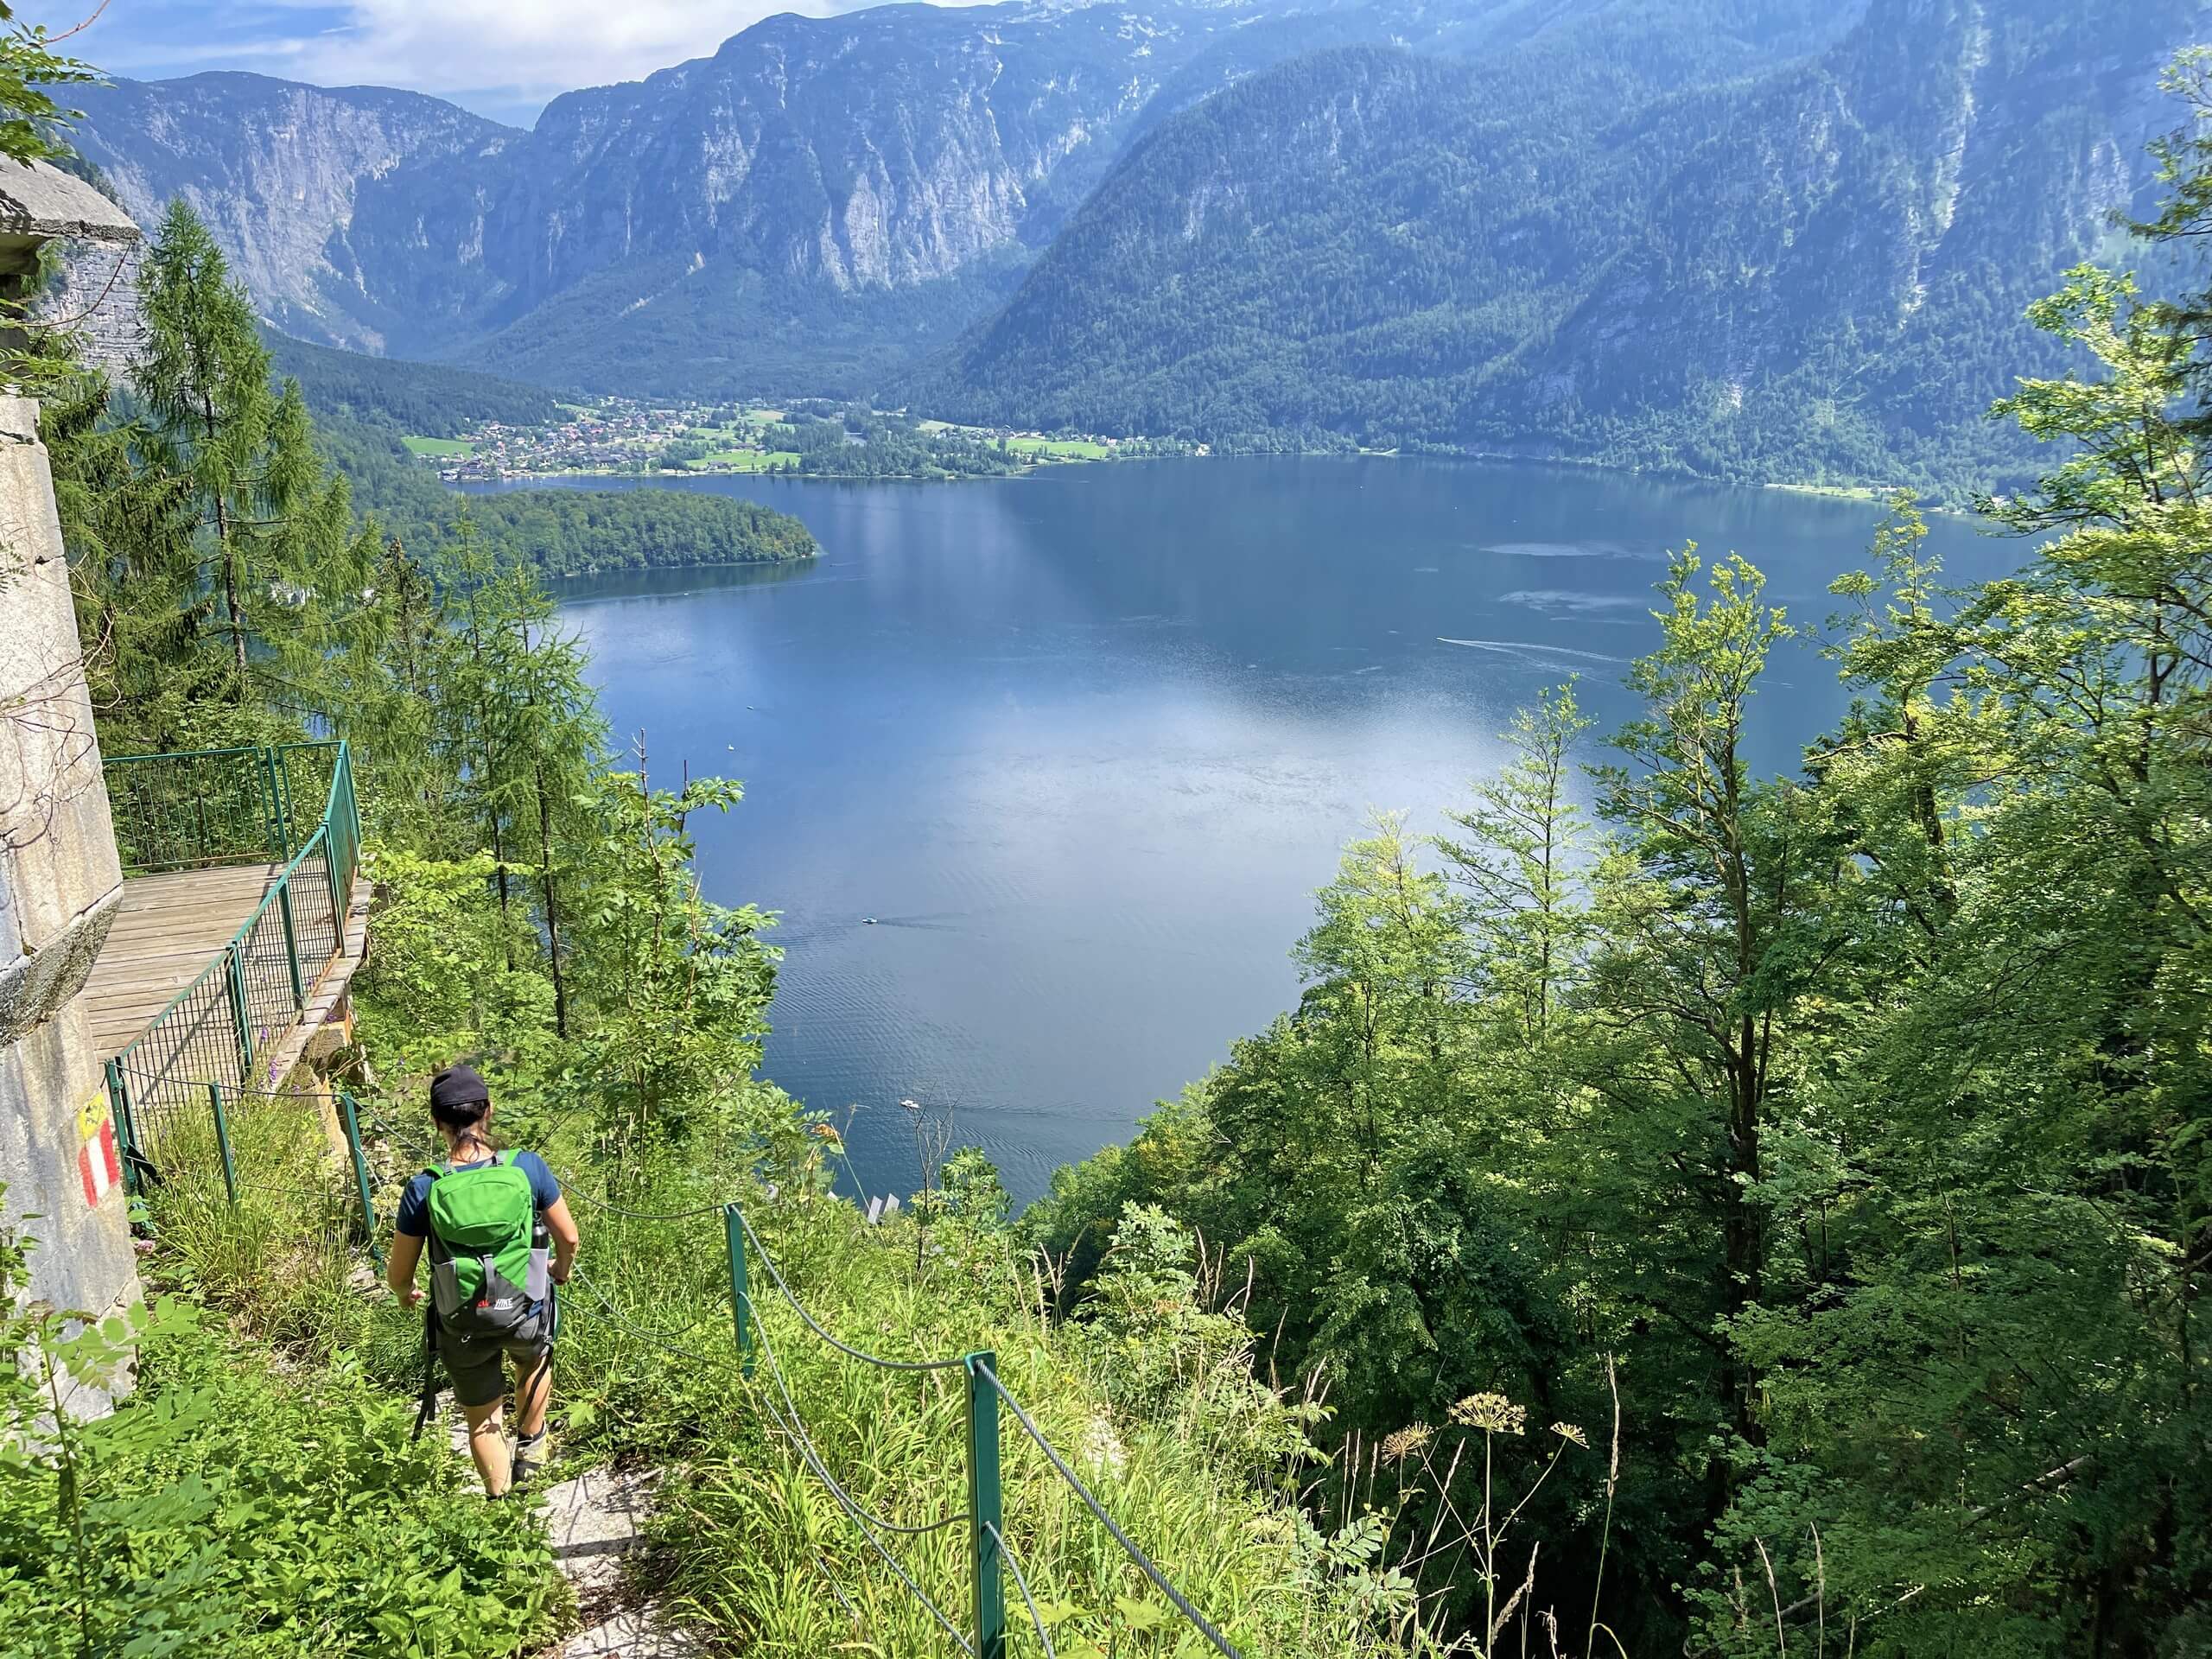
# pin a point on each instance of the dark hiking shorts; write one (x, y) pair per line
(475, 1362)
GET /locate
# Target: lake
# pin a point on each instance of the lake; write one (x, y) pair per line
(1083, 744)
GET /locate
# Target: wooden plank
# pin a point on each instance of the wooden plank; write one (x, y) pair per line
(170, 927)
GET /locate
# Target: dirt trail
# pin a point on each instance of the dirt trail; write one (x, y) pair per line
(595, 1521)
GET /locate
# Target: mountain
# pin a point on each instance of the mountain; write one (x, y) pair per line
(820, 192)
(278, 171)
(1817, 269)
(820, 201)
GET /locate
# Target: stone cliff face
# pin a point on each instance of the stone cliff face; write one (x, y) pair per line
(832, 195)
(1556, 223)
(1882, 216)
(879, 151)
(277, 171)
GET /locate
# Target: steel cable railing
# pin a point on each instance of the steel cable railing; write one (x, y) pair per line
(813, 1324)
(990, 1635)
(569, 1189)
(1144, 1562)
(990, 1548)
(656, 1338)
(796, 1427)
(837, 1590)
(1021, 1583)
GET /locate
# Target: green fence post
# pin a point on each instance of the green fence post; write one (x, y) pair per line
(223, 1142)
(291, 946)
(741, 1305)
(360, 1174)
(272, 810)
(986, 1520)
(241, 1015)
(118, 1103)
(339, 898)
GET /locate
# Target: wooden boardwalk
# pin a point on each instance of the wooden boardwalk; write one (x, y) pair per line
(170, 928)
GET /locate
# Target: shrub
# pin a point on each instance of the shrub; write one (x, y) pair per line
(224, 1509)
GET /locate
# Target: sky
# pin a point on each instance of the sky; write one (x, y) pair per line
(501, 58)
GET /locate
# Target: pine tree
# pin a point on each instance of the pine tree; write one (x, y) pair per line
(1524, 838)
(275, 541)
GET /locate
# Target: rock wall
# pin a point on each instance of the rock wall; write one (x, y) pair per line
(59, 887)
(96, 298)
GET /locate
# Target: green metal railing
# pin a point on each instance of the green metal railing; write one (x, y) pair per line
(231, 806)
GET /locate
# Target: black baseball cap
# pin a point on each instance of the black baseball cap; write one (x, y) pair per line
(458, 1085)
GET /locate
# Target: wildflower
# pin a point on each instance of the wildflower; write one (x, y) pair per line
(1398, 1446)
(1493, 1414)
(1571, 1435)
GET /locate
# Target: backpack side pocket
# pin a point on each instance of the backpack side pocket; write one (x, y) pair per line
(445, 1287)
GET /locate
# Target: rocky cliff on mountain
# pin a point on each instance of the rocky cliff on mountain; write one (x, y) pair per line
(278, 170)
(827, 193)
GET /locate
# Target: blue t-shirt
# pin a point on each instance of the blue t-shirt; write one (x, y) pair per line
(415, 1203)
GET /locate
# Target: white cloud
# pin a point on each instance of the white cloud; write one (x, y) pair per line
(502, 56)
(535, 47)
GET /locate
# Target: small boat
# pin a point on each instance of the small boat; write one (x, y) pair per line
(868, 921)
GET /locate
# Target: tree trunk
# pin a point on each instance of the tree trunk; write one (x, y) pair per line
(552, 907)
(227, 553)
(484, 780)
(231, 602)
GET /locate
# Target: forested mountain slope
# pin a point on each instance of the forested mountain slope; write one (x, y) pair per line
(818, 202)
(433, 399)
(1819, 269)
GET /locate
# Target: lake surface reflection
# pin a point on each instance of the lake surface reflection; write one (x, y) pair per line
(1083, 744)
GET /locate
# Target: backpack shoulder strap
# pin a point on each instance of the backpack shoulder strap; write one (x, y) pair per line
(437, 1246)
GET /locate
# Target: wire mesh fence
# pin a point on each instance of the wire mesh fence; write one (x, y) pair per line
(193, 811)
(305, 773)
(221, 1028)
(211, 807)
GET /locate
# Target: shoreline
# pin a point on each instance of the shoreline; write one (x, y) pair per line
(1872, 495)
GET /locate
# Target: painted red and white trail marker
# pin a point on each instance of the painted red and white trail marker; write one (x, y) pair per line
(98, 1161)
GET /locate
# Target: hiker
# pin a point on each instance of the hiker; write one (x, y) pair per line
(487, 1216)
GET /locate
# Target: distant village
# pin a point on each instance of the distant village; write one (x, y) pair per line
(617, 435)
(620, 435)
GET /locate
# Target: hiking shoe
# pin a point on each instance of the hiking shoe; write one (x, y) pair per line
(529, 1459)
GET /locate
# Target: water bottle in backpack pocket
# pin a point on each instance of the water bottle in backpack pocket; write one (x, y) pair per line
(488, 1248)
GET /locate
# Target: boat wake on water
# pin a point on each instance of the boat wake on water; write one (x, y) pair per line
(1512, 647)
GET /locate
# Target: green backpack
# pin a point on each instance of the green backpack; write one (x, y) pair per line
(488, 1247)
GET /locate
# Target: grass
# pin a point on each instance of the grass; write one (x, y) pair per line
(284, 1254)
(745, 461)
(442, 448)
(1060, 448)
(762, 1551)
(1836, 491)
(261, 1493)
